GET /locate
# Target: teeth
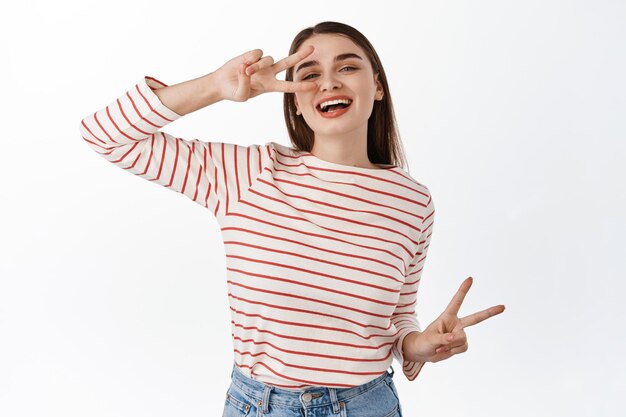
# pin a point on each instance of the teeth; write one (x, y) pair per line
(331, 102)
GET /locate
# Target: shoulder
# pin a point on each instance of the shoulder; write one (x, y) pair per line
(413, 182)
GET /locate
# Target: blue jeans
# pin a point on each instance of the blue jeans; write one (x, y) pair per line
(247, 397)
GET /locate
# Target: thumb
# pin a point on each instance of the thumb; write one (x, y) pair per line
(445, 338)
(250, 57)
(243, 89)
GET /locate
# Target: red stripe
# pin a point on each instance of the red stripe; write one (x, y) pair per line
(150, 106)
(248, 165)
(308, 382)
(195, 194)
(350, 173)
(224, 172)
(304, 353)
(313, 341)
(299, 297)
(119, 104)
(310, 312)
(188, 168)
(139, 113)
(90, 132)
(98, 145)
(121, 159)
(117, 127)
(351, 256)
(208, 190)
(236, 169)
(134, 162)
(324, 289)
(216, 184)
(365, 271)
(175, 162)
(162, 158)
(157, 81)
(317, 235)
(152, 140)
(386, 196)
(338, 220)
(95, 116)
(338, 207)
(267, 319)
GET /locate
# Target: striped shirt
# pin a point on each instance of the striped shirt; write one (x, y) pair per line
(323, 260)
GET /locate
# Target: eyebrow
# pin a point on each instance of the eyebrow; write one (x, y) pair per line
(341, 57)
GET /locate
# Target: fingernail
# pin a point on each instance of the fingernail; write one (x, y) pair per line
(450, 338)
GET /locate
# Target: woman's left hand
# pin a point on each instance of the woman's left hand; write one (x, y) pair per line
(445, 336)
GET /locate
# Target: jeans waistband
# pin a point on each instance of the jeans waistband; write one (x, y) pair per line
(264, 394)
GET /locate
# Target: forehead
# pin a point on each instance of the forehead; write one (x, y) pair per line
(331, 45)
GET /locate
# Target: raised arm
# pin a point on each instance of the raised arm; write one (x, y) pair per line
(128, 133)
(242, 78)
(191, 95)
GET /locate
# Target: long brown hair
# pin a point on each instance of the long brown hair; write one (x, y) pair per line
(383, 139)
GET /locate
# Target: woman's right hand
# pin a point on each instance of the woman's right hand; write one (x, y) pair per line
(251, 74)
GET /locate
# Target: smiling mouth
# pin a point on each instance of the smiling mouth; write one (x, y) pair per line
(333, 107)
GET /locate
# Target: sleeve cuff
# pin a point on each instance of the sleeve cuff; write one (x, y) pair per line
(410, 369)
(147, 85)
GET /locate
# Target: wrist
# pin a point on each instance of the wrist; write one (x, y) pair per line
(408, 347)
(210, 89)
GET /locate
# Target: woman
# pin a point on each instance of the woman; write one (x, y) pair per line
(325, 241)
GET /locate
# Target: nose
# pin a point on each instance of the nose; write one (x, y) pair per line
(328, 82)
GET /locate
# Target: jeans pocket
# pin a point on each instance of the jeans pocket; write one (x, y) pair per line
(393, 389)
(236, 404)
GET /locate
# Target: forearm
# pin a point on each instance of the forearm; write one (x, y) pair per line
(189, 96)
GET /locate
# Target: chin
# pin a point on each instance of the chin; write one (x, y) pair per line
(337, 128)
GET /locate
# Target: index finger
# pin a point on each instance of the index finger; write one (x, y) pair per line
(293, 86)
(457, 300)
(292, 59)
(476, 318)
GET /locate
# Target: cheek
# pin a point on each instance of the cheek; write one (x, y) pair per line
(299, 98)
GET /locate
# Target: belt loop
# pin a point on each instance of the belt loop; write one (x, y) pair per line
(266, 398)
(333, 399)
(392, 371)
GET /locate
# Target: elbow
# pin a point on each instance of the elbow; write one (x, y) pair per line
(92, 140)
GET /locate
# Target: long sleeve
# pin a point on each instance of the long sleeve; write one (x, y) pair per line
(405, 317)
(127, 133)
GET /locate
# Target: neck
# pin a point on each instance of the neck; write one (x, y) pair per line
(349, 148)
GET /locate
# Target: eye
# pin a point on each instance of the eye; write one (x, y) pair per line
(352, 68)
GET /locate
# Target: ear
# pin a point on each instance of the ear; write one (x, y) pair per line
(380, 91)
(295, 100)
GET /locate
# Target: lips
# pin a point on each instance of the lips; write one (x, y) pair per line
(332, 98)
(335, 113)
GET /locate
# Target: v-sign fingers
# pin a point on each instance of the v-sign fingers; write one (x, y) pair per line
(292, 59)
(476, 318)
(293, 86)
(457, 300)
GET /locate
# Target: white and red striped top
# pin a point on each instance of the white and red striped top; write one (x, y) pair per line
(323, 260)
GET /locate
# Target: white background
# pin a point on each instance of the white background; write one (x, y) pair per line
(112, 293)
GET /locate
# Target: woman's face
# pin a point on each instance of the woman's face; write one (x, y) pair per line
(351, 77)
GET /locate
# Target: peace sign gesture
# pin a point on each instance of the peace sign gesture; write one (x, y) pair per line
(445, 336)
(249, 74)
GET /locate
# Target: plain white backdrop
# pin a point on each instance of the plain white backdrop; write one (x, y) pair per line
(112, 289)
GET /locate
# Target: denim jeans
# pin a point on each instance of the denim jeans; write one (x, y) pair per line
(247, 397)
